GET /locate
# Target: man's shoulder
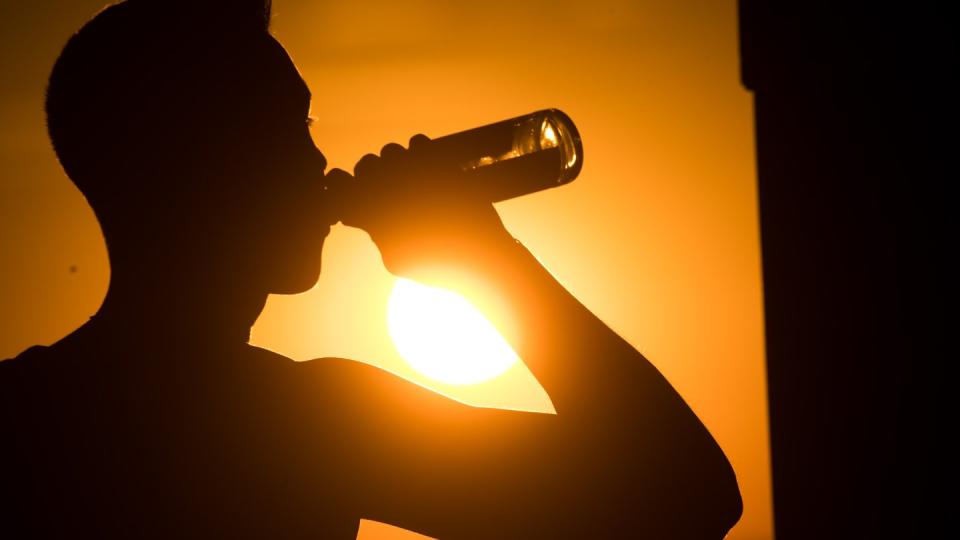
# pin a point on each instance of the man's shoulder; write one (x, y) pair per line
(344, 379)
(33, 351)
(345, 370)
(29, 357)
(321, 371)
(18, 376)
(56, 356)
(329, 365)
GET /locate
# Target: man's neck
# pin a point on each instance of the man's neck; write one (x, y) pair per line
(178, 314)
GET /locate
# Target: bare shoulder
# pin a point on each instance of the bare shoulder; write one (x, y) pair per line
(26, 364)
(329, 379)
(380, 397)
(351, 380)
(29, 354)
(317, 369)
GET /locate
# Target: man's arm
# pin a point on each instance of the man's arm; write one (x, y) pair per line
(624, 451)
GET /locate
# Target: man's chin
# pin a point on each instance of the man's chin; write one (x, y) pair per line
(296, 283)
(295, 271)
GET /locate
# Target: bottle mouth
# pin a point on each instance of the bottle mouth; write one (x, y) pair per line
(558, 131)
(543, 130)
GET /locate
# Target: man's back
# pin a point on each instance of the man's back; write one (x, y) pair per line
(103, 442)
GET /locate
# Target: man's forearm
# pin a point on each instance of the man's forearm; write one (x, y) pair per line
(574, 355)
(612, 402)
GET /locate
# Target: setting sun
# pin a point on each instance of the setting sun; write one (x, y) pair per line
(443, 336)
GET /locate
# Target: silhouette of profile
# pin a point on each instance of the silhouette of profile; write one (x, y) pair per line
(185, 126)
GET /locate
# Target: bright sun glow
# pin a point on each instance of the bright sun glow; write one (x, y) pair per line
(443, 336)
(548, 137)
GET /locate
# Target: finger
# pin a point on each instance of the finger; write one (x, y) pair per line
(418, 140)
(337, 177)
(391, 151)
(337, 188)
(366, 165)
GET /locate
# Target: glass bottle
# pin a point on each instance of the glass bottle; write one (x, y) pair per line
(517, 156)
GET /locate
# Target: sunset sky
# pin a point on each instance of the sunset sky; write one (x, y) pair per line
(658, 236)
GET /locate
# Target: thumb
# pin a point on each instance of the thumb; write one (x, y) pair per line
(339, 195)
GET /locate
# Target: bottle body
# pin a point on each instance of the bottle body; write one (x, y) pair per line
(517, 156)
(497, 161)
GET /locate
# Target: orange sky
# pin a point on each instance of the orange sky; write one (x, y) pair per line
(658, 236)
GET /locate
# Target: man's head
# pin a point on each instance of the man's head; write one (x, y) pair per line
(185, 126)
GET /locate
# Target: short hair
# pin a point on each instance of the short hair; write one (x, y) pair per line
(126, 80)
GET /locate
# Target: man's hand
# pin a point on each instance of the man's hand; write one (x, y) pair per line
(421, 210)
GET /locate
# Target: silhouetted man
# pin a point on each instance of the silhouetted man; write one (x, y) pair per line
(185, 126)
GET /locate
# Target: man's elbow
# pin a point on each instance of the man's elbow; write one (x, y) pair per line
(689, 504)
(728, 499)
(701, 494)
(718, 500)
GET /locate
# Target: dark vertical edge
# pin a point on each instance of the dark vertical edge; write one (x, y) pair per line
(851, 107)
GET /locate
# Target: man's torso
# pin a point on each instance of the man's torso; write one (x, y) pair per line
(179, 443)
